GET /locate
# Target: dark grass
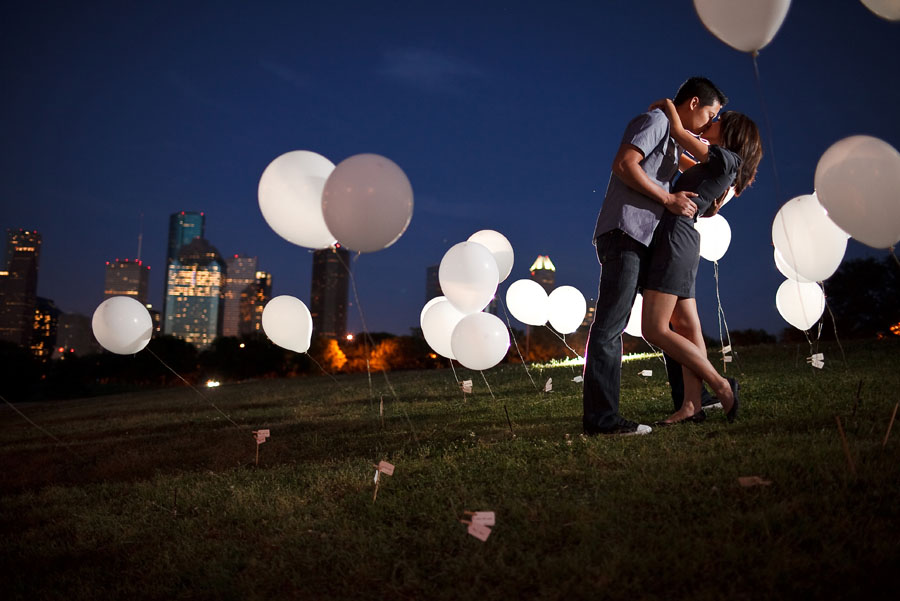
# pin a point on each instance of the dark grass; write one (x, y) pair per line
(652, 517)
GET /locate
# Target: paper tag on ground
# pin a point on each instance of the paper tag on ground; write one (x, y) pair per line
(817, 360)
(726, 349)
(646, 373)
(748, 481)
(485, 518)
(727, 358)
(549, 385)
(261, 436)
(386, 468)
(578, 379)
(479, 531)
(466, 385)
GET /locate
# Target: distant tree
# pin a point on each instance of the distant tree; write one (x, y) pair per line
(751, 337)
(20, 373)
(864, 295)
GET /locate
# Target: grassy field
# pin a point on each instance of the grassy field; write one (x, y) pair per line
(155, 495)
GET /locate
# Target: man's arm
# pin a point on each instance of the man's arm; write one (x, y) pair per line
(627, 167)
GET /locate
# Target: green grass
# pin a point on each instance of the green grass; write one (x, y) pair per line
(652, 517)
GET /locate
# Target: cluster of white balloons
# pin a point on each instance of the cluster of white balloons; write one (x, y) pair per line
(856, 196)
(122, 325)
(365, 203)
(564, 307)
(455, 325)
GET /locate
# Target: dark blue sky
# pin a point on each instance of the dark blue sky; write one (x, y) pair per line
(504, 115)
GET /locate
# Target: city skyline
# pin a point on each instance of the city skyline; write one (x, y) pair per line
(508, 121)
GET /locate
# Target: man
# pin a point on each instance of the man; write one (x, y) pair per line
(643, 170)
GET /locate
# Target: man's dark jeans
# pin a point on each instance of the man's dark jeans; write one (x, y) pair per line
(622, 261)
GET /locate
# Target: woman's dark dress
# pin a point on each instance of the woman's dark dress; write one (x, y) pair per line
(675, 249)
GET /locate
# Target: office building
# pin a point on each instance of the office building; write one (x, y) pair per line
(241, 272)
(253, 300)
(44, 329)
(184, 227)
(127, 277)
(18, 286)
(543, 272)
(328, 295)
(195, 294)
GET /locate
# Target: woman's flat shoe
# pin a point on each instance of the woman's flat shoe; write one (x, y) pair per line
(735, 407)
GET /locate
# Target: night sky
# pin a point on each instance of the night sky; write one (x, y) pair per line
(504, 115)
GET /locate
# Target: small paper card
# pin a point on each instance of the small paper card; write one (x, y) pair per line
(466, 385)
(726, 349)
(578, 379)
(479, 531)
(748, 481)
(261, 436)
(727, 358)
(549, 385)
(485, 518)
(817, 360)
(386, 468)
(646, 373)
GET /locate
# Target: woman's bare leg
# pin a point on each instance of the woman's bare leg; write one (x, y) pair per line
(687, 346)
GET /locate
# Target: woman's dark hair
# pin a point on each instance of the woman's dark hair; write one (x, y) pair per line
(739, 134)
(703, 89)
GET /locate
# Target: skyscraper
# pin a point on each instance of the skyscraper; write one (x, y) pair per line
(127, 278)
(18, 286)
(195, 294)
(328, 296)
(241, 274)
(543, 272)
(253, 300)
(183, 228)
(44, 329)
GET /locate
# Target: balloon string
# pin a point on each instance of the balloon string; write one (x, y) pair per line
(515, 342)
(896, 260)
(42, 429)
(368, 337)
(563, 338)
(722, 320)
(192, 387)
(834, 324)
(313, 359)
(508, 421)
(771, 138)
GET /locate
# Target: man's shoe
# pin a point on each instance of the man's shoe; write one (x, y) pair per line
(735, 407)
(711, 403)
(623, 427)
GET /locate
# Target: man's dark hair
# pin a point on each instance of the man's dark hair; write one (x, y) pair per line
(703, 89)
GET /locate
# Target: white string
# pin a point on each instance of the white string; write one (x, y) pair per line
(42, 429)
(515, 342)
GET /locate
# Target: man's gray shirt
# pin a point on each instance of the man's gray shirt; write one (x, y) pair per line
(627, 209)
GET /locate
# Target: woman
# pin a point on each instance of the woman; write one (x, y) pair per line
(731, 159)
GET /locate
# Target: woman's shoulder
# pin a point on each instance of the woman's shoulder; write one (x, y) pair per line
(728, 157)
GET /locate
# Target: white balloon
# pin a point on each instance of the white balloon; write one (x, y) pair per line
(290, 198)
(786, 270)
(745, 26)
(499, 247)
(367, 202)
(528, 302)
(437, 326)
(634, 320)
(122, 325)
(288, 323)
(468, 275)
(480, 341)
(808, 241)
(715, 236)
(429, 305)
(800, 304)
(858, 183)
(886, 9)
(567, 309)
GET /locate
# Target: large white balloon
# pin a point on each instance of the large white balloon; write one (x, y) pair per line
(438, 322)
(480, 341)
(808, 241)
(567, 309)
(429, 305)
(786, 270)
(288, 323)
(745, 26)
(468, 275)
(499, 247)
(367, 202)
(634, 320)
(528, 302)
(858, 183)
(800, 304)
(122, 325)
(290, 198)
(886, 9)
(715, 237)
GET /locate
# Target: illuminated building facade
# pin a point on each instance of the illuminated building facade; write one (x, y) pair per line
(543, 272)
(127, 278)
(74, 336)
(195, 294)
(184, 227)
(18, 286)
(253, 300)
(328, 295)
(241, 275)
(45, 325)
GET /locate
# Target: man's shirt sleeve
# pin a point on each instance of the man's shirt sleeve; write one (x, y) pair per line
(646, 131)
